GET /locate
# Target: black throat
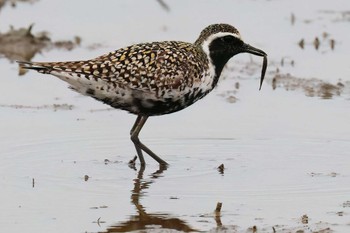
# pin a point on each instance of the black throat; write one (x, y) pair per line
(219, 60)
(221, 50)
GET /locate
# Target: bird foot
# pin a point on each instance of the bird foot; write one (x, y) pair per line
(132, 163)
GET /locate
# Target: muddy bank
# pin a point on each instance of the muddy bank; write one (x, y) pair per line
(65, 167)
(22, 44)
(311, 87)
(13, 3)
(54, 107)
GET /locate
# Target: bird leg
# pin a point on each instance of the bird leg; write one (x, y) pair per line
(134, 133)
(134, 138)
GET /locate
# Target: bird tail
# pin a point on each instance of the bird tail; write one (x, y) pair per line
(40, 67)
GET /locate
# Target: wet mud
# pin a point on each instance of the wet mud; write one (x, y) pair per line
(311, 87)
(21, 44)
(54, 107)
(242, 160)
(14, 3)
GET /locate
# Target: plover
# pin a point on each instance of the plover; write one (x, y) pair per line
(157, 78)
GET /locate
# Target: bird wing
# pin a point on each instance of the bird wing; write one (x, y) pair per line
(147, 67)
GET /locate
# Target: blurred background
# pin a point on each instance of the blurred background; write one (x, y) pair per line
(285, 149)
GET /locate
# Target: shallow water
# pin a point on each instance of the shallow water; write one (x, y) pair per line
(285, 154)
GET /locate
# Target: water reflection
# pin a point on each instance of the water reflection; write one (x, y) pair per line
(143, 220)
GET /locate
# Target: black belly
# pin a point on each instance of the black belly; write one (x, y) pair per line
(161, 106)
(141, 105)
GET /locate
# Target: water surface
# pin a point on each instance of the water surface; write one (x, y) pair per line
(285, 154)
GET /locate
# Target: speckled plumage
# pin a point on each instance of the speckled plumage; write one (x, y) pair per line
(214, 29)
(140, 76)
(152, 78)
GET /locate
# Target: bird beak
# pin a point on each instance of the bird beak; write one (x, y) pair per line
(246, 48)
(250, 49)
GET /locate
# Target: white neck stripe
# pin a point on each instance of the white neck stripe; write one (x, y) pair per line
(206, 43)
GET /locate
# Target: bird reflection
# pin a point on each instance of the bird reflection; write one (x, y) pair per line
(143, 220)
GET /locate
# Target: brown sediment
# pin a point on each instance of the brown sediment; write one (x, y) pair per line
(218, 207)
(311, 87)
(316, 43)
(337, 16)
(301, 43)
(22, 44)
(229, 96)
(346, 204)
(221, 169)
(54, 107)
(14, 2)
(332, 43)
(304, 219)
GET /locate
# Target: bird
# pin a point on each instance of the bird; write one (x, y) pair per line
(154, 78)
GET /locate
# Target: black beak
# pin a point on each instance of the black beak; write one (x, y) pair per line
(246, 48)
(250, 49)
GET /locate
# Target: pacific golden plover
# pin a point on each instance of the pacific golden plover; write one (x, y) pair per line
(157, 78)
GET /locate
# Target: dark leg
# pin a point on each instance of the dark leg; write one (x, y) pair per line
(132, 132)
(140, 121)
(135, 124)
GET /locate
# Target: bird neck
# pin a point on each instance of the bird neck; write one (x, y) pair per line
(218, 61)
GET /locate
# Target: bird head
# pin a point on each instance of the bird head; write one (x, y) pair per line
(221, 42)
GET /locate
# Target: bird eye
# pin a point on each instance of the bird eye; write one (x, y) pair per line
(227, 39)
(231, 40)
